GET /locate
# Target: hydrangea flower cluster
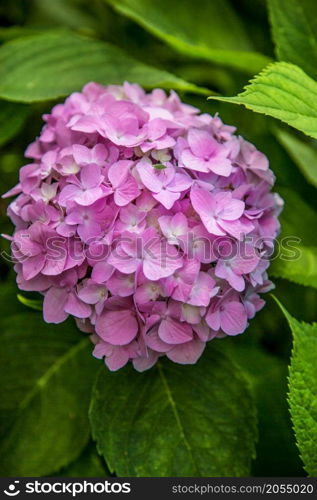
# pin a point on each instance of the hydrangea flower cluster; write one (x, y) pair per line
(148, 222)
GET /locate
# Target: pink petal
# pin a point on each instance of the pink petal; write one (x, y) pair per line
(89, 230)
(153, 341)
(93, 293)
(213, 318)
(180, 183)
(123, 262)
(101, 272)
(76, 307)
(161, 262)
(172, 227)
(188, 353)
(82, 155)
(121, 284)
(54, 265)
(117, 327)
(149, 176)
(237, 228)
(201, 142)
(229, 208)
(193, 162)
(90, 176)
(143, 363)
(167, 198)
(127, 192)
(219, 165)
(118, 172)
(233, 318)
(174, 332)
(33, 266)
(68, 193)
(202, 290)
(203, 201)
(89, 196)
(117, 359)
(25, 244)
(53, 305)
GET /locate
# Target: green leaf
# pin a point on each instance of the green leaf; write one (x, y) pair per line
(12, 117)
(282, 91)
(303, 270)
(218, 36)
(46, 375)
(88, 464)
(294, 27)
(276, 452)
(37, 305)
(303, 389)
(175, 420)
(303, 154)
(296, 258)
(51, 65)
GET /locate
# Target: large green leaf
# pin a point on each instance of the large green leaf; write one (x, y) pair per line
(46, 377)
(296, 257)
(303, 390)
(302, 270)
(303, 154)
(175, 420)
(294, 27)
(12, 117)
(282, 91)
(276, 452)
(54, 64)
(88, 464)
(216, 34)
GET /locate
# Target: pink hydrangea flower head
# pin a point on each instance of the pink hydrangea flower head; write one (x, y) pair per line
(148, 222)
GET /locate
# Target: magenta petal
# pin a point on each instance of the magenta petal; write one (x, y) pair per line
(188, 353)
(230, 209)
(203, 201)
(77, 307)
(26, 245)
(54, 304)
(118, 172)
(153, 341)
(167, 198)
(233, 318)
(213, 319)
(90, 176)
(150, 177)
(202, 143)
(161, 265)
(174, 332)
(194, 162)
(54, 266)
(117, 327)
(101, 272)
(33, 266)
(127, 192)
(143, 363)
(89, 196)
(117, 359)
(68, 193)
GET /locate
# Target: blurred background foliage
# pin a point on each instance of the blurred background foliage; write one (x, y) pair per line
(264, 350)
